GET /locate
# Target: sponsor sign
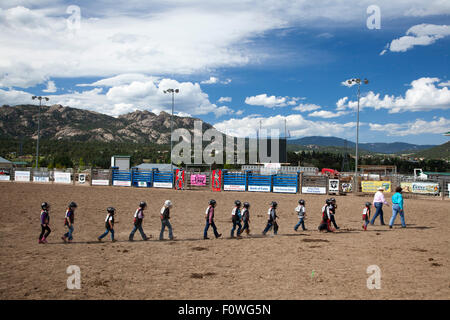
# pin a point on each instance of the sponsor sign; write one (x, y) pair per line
(198, 180)
(425, 187)
(168, 185)
(4, 177)
(285, 189)
(22, 176)
(333, 185)
(259, 188)
(314, 190)
(231, 187)
(82, 178)
(406, 186)
(119, 183)
(62, 177)
(100, 182)
(41, 179)
(346, 187)
(372, 186)
(142, 184)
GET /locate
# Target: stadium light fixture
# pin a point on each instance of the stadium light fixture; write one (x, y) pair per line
(172, 91)
(39, 126)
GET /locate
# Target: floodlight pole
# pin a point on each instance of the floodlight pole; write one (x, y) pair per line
(39, 127)
(172, 91)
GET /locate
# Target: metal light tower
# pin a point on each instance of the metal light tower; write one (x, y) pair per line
(358, 82)
(39, 126)
(172, 91)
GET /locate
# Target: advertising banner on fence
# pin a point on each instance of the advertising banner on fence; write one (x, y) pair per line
(333, 185)
(163, 185)
(259, 188)
(372, 186)
(285, 189)
(41, 179)
(62, 177)
(420, 187)
(216, 180)
(314, 190)
(22, 176)
(179, 179)
(119, 183)
(142, 184)
(4, 175)
(98, 182)
(198, 180)
(346, 187)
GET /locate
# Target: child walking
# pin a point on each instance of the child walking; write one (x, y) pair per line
(45, 221)
(69, 221)
(236, 219)
(333, 207)
(165, 216)
(109, 224)
(246, 218)
(209, 215)
(301, 211)
(366, 215)
(272, 221)
(138, 218)
(325, 224)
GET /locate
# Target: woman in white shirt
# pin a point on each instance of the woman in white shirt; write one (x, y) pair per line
(378, 201)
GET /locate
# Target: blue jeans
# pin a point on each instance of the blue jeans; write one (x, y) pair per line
(106, 232)
(213, 225)
(396, 210)
(165, 223)
(69, 233)
(236, 223)
(300, 222)
(378, 212)
(137, 227)
(268, 227)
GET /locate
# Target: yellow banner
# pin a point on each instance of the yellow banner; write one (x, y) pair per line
(372, 186)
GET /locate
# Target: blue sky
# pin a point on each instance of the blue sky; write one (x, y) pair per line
(239, 63)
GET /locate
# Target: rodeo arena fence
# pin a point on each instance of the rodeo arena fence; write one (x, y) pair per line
(282, 179)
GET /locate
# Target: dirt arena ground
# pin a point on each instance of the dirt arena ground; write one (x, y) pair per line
(414, 262)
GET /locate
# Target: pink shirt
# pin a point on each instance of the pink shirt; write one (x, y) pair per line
(379, 197)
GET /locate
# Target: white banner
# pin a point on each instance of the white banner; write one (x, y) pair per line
(168, 185)
(232, 187)
(100, 182)
(122, 183)
(41, 179)
(285, 189)
(333, 185)
(142, 184)
(259, 188)
(425, 187)
(62, 177)
(315, 190)
(4, 177)
(22, 176)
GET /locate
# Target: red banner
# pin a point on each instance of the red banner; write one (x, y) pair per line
(179, 179)
(217, 180)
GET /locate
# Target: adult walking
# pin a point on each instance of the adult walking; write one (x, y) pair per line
(378, 201)
(397, 207)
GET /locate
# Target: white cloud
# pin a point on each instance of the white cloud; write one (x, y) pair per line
(327, 114)
(271, 101)
(417, 127)
(121, 79)
(419, 35)
(422, 96)
(296, 124)
(51, 87)
(444, 84)
(224, 99)
(214, 80)
(304, 107)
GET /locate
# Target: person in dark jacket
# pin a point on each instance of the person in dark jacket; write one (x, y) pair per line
(325, 224)
(109, 224)
(246, 218)
(69, 220)
(272, 221)
(138, 218)
(209, 215)
(165, 216)
(45, 222)
(236, 218)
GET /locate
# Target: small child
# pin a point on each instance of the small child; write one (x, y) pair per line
(301, 210)
(209, 215)
(246, 218)
(333, 207)
(109, 224)
(69, 221)
(138, 217)
(45, 220)
(165, 216)
(272, 221)
(366, 215)
(236, 219)
(325, 224)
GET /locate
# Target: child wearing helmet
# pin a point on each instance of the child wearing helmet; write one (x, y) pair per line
(236, 218)
(301, 211)
(209, 215)
(109, 224)
(165, 216)
(333, 207)
(366, 215)
(69, 220)
(45, 221)
(272, 221)
(246, 218)
(138, 218)
(325, 224)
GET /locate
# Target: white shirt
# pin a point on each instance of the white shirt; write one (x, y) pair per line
(108, 218)
(326, 208)
(301, 210)
(365, 211)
